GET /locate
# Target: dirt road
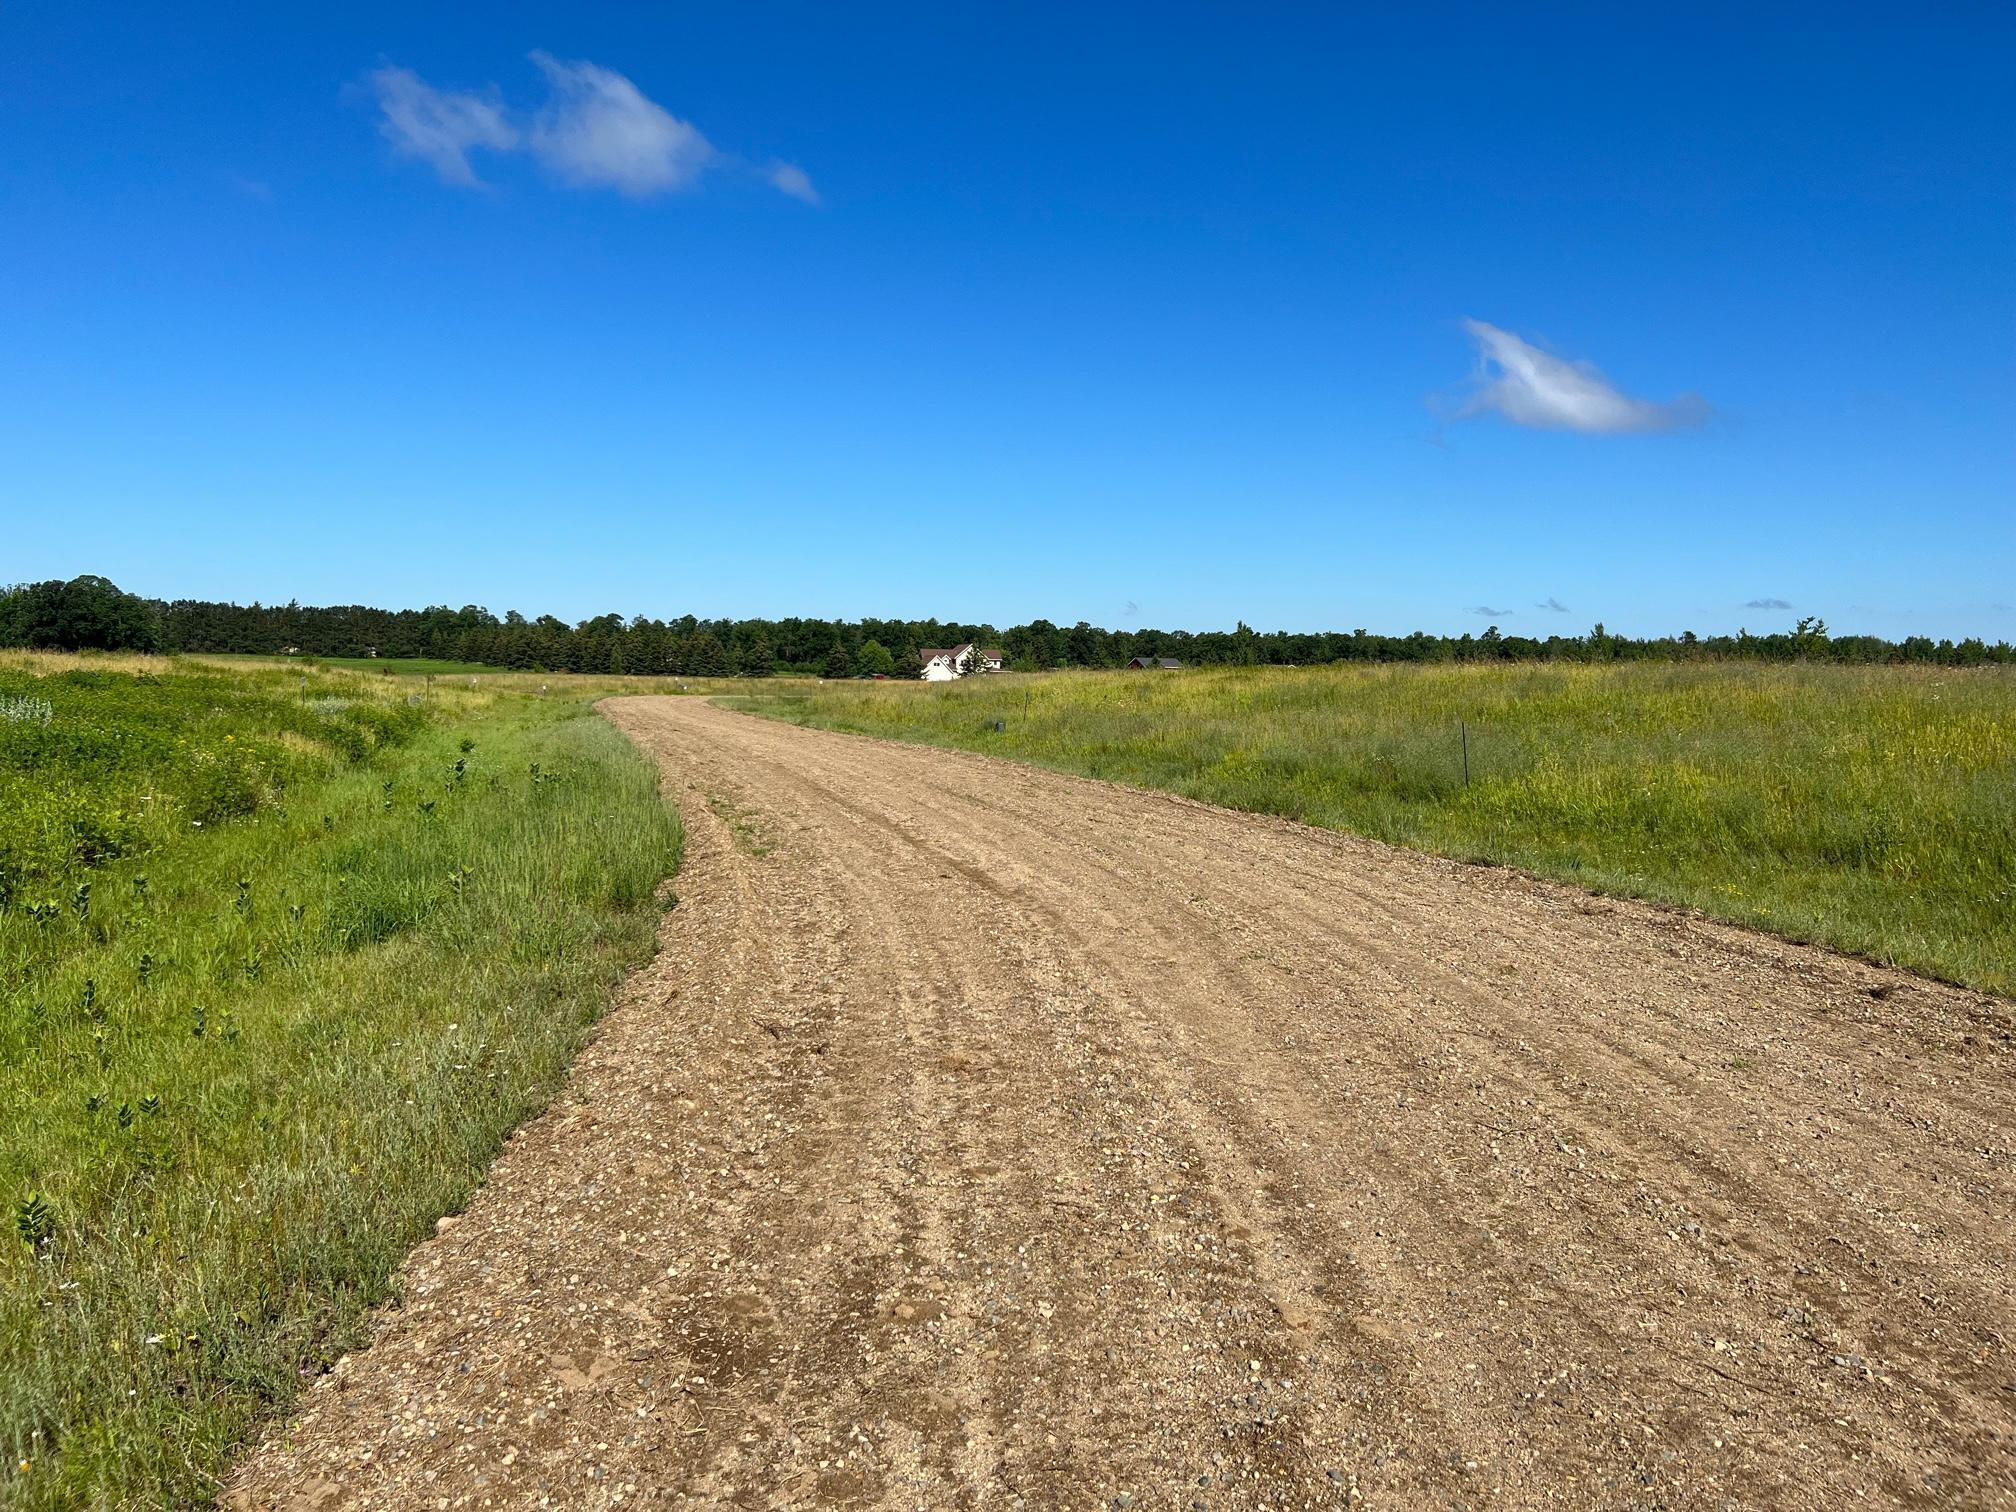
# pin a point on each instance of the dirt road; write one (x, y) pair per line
(985, 1137)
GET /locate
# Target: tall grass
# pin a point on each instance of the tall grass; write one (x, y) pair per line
(245, 1074)
(381, 666)
(1873, 809)
(474, 677)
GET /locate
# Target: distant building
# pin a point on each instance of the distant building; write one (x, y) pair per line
(944, 663)
(1155, 663)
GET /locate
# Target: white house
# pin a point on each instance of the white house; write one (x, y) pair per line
(943, 663)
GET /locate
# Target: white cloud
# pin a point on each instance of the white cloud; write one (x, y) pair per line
(789, 178)
(599, 129)
(439, 126)
(1534, 388)
(596, 130)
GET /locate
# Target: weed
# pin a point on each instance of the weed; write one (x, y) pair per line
(34, 1220)
(20, 709)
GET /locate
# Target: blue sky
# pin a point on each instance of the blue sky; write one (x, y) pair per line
(1159, 314)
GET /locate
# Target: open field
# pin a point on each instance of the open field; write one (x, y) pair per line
(982, 1136)
(983, 1132)
(569, 685)
(284, 956)
(1872, 809)
(383, 666)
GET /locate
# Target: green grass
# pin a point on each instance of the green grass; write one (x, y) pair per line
(1872, 809)
(245, 1071)
(383, 666)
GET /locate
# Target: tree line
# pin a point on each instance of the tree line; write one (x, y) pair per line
(92, 613)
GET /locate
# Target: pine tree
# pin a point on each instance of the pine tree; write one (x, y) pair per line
(707, 656)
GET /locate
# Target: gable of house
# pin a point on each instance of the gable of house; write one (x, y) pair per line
(937, 663)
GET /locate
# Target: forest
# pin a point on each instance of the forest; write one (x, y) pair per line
(90, 612)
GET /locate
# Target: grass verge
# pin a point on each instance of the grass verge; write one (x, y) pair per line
(247, 1059)
(1871, 809)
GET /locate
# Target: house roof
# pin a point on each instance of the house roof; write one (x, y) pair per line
(929, 653)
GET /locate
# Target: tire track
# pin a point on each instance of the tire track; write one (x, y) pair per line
(987, 1137)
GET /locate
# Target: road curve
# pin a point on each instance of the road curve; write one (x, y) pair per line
(985, 1137)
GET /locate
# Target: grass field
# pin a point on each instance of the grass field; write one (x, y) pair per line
(1873, 809)
(576, 685)
(382, 666)
(280, 967)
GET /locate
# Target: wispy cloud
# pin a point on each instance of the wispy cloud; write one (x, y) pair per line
(596, 130)
(1553, 606)
(1765, 603)
(600, 130)
(440, 126)
(1527, 386)
(789, 178)
(1488, 612)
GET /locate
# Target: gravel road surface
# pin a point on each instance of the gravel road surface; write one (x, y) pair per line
(984, 1137)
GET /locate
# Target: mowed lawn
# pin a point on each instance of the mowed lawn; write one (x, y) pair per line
(284, 956)
(1872, 809)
